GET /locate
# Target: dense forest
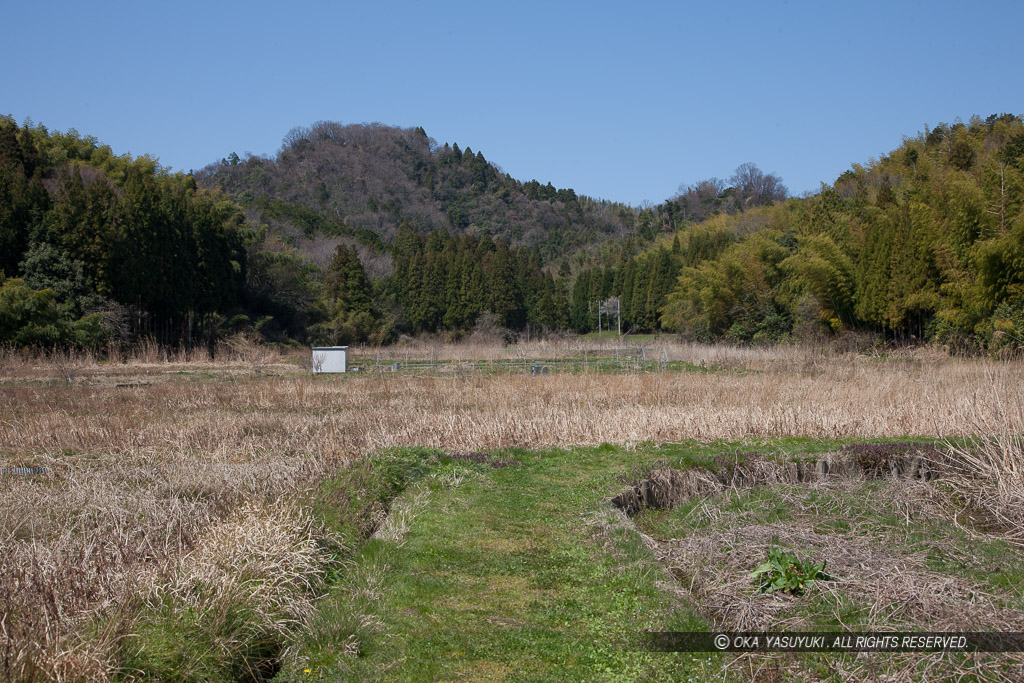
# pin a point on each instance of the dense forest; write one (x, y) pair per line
(925, 243)
(365, 233)
(96, 247)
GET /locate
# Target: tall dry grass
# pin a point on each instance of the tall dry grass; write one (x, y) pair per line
(146, 464)
(116, 361)
(990, 468)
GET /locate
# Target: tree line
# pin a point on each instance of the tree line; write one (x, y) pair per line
(96, 247)
(441, 283)
(446, 283)
(923, 244)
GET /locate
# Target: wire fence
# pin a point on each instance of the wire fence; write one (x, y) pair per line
(625, 359)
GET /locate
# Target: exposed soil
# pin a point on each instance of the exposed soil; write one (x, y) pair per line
(667, 487)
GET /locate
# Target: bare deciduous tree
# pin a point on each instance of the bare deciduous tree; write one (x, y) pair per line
(755, 187)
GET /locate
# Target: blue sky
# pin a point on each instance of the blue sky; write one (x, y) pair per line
(615, 100)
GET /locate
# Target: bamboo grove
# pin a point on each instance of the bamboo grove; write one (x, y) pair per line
(925, 243)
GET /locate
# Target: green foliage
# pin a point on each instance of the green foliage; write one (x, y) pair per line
(446, 283)
(924, 243)
(784, 571)
(283, 285)
(823, 270)
(111, 233)
(347, 301)
(44, 267)
(30, 317)
(736, 292)
(1004, 329)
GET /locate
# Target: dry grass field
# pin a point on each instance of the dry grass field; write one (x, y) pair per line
(153, 473)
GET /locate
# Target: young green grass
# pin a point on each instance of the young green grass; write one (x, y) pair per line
(514, 566)
(516, 572)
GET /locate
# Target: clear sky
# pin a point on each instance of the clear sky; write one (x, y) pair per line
(623, 101)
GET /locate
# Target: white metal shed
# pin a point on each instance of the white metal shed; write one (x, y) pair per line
(330, 359)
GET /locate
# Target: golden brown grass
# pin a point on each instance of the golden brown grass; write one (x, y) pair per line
(147, 463)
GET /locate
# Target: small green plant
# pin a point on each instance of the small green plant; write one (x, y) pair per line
(786, 572)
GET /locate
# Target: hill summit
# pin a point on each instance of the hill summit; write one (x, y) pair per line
(365, 180)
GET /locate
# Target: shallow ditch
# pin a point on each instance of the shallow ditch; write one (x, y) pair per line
(929, 573)
(665, 487)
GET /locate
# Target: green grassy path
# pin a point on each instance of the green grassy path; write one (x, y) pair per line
(522, 572)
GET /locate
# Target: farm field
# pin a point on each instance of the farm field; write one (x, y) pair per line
(244, 520)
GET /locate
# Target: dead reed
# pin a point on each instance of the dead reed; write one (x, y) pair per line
(148, 456)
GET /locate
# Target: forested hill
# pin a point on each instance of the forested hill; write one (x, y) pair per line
(925, 243)
(366, 180)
